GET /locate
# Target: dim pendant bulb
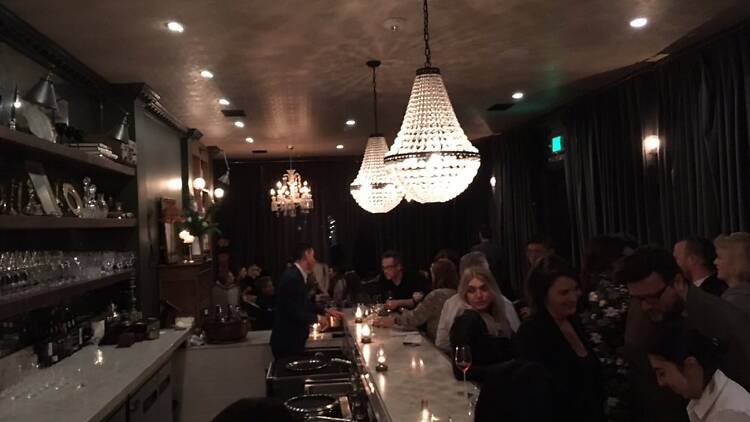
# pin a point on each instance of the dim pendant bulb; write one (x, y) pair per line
(199, 183)
(375, 188)
(432, 159)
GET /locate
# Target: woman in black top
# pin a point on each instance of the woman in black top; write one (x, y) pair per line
(553, 337)
(481, 324)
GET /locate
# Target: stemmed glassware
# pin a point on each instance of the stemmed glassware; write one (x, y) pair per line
(462, 359)
(28, 272)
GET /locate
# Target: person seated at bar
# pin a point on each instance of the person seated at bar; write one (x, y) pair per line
(453, 305)
(260, 308)
(687, 363)
(537, 247)
(225, 291)
(695, 256)
(733, 264)
(400, 288)
(481, 324)
(450, 255)
(516, 391)
(660, 295)
(444, 284)
(554, 337)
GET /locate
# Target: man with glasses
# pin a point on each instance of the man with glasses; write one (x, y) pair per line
(661, 296)
(400, 288)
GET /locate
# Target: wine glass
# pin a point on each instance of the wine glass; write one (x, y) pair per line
(462, 359)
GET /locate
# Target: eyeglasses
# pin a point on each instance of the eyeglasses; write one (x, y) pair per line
(652, 298)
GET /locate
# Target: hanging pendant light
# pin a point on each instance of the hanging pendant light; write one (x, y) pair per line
(375, 188)
(431, 157)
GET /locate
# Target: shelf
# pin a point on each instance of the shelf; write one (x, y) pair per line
(30, 222)
(55, 295)
(36, 147)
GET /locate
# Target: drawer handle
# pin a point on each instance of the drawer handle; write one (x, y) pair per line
(164, 384)
(150, 400)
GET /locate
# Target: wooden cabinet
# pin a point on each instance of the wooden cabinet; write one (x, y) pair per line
(187, 286)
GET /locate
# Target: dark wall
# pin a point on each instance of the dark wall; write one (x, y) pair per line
(159, 162)
(416, 230)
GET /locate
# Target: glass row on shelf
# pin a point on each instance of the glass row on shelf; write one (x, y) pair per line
(30, 272)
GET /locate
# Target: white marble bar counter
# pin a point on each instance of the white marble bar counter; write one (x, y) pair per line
(415, 373)
(90, 384)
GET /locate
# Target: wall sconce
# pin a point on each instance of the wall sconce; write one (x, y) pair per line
(199, 183)
(43, 93)
(218, 193)
(651, 144)
(121, 132)
(493, 182)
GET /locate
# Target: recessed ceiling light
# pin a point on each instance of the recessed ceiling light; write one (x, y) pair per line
(207, 74)
(249, 140)
(517, 95)
(239, 123)
(223, 101)
(339, 146)
(351, 122)
(175, 26)
(639, 22)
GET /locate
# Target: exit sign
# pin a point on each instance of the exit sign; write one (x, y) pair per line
(556, 147)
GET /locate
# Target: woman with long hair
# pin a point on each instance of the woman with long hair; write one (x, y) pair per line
(481, 323)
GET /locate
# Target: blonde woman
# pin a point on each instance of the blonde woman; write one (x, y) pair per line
(481, 323)
(733, 266)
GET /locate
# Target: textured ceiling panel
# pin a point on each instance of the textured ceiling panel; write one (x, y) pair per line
(297, 67)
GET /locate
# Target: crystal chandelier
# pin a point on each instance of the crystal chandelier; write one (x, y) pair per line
(431, 157)
(291, 193)
(375, 188)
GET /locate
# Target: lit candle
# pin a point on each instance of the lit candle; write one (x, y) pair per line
(381, 366)
(315, 327)
(425, 415)
(366, 333)
(358, 315)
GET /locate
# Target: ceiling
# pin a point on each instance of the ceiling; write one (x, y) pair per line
(297, 67)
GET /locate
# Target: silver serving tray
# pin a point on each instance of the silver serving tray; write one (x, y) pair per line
(312, 404)
(306, 365)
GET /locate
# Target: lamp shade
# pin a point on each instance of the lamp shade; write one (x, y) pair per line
(375, 188)
(431, 157)
(43, 93)
(121, 131)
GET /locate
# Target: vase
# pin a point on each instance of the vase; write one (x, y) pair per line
(197, 246)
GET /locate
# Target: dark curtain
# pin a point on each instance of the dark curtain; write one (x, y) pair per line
(415, 230)
(519, 160)
(698, 103)
(705, 111)
(612, 187)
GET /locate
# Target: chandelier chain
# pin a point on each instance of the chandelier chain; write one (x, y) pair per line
(375, 99)
(427, 52)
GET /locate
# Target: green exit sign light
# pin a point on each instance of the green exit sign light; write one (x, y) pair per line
(557, 144)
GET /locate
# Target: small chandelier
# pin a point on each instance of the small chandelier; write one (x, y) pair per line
(375, 188)
(431, 157)
(291, 193)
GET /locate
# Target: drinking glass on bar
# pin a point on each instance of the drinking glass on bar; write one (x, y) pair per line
(462, 358)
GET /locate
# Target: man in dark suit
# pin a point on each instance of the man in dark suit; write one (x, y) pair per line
(661, 295)
(695, 256)
(488, 248)
(295, 312)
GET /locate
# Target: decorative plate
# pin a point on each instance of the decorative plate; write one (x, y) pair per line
(75, 204)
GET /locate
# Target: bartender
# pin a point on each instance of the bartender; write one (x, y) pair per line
(295, 312)
(401, 289)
